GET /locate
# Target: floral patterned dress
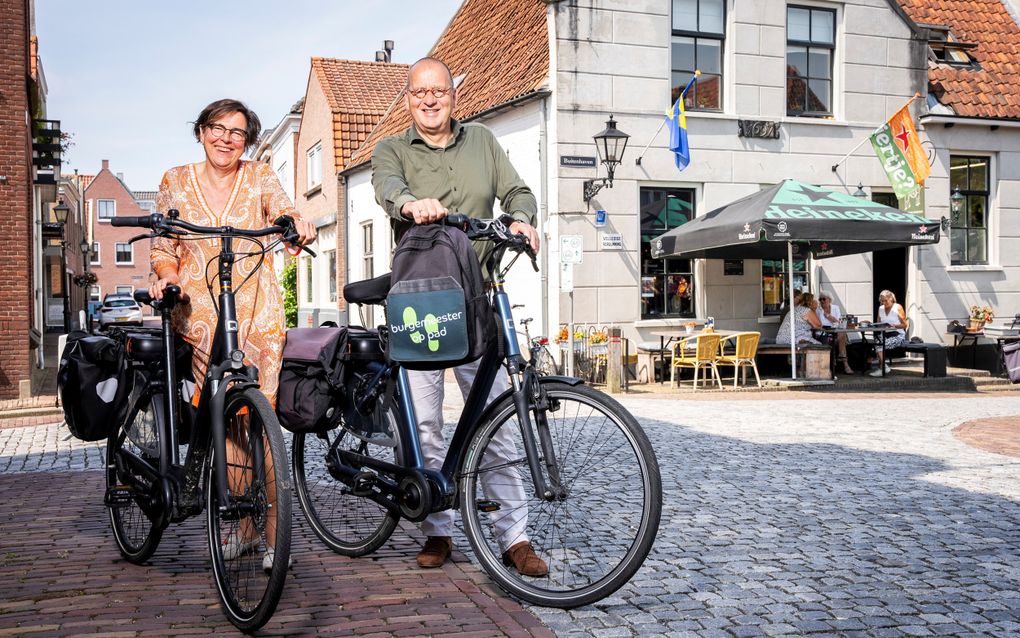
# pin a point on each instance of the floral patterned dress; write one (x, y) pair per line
(256, 199)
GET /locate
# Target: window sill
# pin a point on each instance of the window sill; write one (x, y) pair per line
(104, 220)
(124, 263)
(768, 320)
(975, 268)
(313, 190)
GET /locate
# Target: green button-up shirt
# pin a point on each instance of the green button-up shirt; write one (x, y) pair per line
(467, 176)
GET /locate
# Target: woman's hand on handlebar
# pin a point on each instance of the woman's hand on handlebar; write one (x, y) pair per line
(306, 232)
(529, 231)
(168, 278)
(424, 211)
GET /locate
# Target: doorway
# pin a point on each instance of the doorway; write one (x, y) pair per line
(889, 267)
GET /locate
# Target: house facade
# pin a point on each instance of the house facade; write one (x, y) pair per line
(120, 266)
(278, 148)
(344, 100)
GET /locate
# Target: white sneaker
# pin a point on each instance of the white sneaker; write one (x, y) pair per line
(267, 561)
(875, 373)
(887, 369)
(235, 547)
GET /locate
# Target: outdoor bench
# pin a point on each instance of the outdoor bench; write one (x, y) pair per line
(934, 356)
(814, 360)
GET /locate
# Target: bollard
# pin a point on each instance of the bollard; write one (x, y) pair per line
(614, 362)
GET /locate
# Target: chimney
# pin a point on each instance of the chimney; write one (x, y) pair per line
(120, 176)
(386, 55)
(106, 165)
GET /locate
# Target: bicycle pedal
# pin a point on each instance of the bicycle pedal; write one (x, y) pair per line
(119, 496)
(363, 483)
(487, 506)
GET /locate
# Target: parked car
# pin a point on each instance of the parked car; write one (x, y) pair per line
(119, 309)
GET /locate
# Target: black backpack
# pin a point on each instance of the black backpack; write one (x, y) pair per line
(311, 378)
(94, 383)
(437, 312)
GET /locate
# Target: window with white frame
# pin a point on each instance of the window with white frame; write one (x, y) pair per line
(125, 290)
(810, 49)
(699, 32)
(368, 256)
(308, 280)
(95, 293)
(94, 255)
(147, 205)
(968, 238)
(775, 284)
(106, 208)
(124, 254)
(331, 260)
(315, 166)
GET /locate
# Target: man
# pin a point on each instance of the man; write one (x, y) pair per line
(436, 166)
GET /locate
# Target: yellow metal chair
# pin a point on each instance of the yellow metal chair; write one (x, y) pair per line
(742, 357)
(700, 353)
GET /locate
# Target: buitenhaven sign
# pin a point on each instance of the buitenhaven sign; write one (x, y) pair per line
(577, 161)
(758, 128)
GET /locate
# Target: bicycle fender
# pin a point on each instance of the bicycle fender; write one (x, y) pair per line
(489, 409)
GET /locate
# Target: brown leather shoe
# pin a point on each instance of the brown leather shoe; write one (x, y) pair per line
(522, 556)
(435, 552)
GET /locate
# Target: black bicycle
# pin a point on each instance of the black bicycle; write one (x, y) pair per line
(575, 472)
(236, 465)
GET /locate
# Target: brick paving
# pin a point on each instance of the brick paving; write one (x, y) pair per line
(786, 514)
(1000, 435)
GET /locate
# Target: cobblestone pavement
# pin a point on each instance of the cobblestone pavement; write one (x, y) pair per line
(861, 516)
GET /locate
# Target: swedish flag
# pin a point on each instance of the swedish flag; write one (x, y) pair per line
(677, 121)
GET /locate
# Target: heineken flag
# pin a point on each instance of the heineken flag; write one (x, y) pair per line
(899, 149)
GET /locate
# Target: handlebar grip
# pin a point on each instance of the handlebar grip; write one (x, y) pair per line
(144, 221)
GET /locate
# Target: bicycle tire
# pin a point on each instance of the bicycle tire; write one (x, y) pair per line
(597, 537)
(238, 543)
(136, 534)
(348, 524)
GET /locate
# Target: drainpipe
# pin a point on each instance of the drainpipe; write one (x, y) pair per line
(347, 264)
(543, 211)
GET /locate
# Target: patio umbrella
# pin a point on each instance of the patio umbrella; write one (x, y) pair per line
(771, 223)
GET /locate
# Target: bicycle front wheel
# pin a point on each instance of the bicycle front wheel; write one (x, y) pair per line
(134, 497)
(349, 524)
(592, 535)
(249, 533)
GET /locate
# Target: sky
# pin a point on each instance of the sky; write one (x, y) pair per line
(127, 78)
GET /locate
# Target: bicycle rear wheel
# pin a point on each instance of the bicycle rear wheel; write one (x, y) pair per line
(545, 363)
(597, 533)
(348, 524)
(135, 498)
(249, 534)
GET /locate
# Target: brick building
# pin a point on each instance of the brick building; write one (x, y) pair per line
(343, 102)
(119, 265)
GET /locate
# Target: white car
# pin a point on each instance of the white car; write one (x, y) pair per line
(119, 309)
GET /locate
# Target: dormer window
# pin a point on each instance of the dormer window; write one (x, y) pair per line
(945, 48)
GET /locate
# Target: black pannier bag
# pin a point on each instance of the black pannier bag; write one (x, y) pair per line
(437, 312)
(308, 399)
(94, 383)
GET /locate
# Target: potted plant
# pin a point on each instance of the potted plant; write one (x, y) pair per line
(979, 316)
(689, 327)
(599, 341)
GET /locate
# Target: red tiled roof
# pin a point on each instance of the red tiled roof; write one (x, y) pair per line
(358, 94)
(502, 49)
(993, 90)
(83, 180)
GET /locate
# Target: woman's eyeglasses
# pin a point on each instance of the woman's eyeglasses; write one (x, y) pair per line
(218, 131)
(438, 93)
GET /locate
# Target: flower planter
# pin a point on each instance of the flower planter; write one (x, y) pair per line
(975, 325)
(599, 348)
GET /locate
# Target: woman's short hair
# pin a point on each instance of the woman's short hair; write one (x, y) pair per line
(219, 108)
(888, 294)
(806, 298)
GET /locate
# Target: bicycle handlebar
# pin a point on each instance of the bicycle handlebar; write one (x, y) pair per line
(494, 230)
(158, 223)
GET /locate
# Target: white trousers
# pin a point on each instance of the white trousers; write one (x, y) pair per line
(503, 486)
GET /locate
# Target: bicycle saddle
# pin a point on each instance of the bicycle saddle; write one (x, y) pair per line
(370, 291)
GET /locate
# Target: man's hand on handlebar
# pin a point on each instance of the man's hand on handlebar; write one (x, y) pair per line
(424, 211)
(529, 231)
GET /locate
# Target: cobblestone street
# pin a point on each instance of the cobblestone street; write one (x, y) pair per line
(784, 516)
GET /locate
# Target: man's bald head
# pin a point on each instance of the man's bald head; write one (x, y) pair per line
(428, 62)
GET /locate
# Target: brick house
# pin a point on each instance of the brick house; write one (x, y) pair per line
(278, 148)
(119, 265)
(343, 101)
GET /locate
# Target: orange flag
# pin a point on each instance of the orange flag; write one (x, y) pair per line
(901, 127)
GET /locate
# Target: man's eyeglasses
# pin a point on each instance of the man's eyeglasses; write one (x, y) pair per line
(218, 131)
(438, 93)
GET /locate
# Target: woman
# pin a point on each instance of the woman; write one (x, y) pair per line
(226, 191)
(892, 314)
(802, 318)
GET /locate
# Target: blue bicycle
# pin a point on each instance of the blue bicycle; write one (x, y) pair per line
(589, 494)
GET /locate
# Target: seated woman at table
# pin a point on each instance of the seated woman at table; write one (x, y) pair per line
(891, 313)
(828, 313)
(805, 321)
